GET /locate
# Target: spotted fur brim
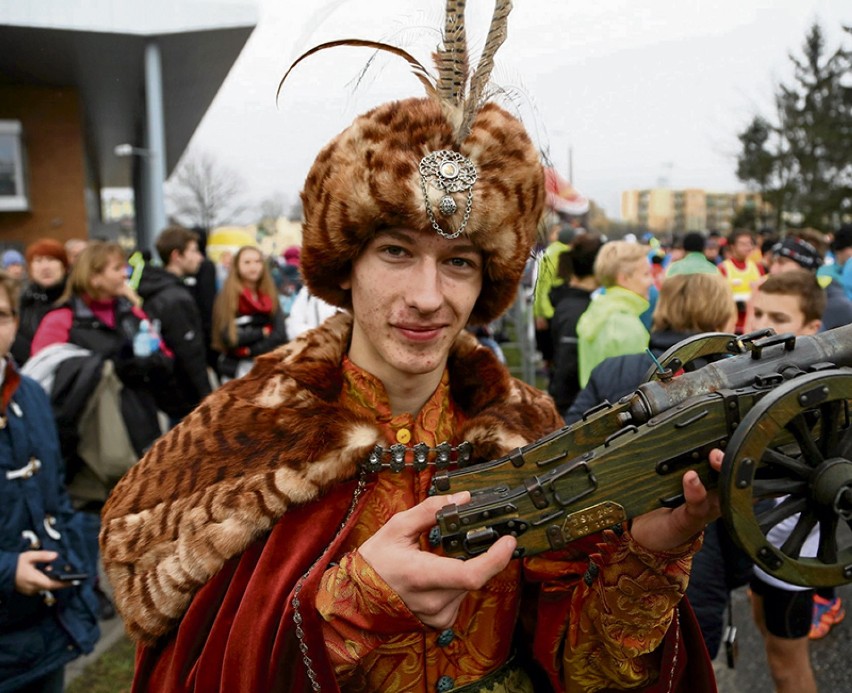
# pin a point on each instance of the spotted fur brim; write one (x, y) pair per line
(368, 178)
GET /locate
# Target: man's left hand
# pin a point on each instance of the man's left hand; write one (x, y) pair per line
(667, 529)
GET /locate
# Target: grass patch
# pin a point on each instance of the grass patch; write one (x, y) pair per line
(112, 672)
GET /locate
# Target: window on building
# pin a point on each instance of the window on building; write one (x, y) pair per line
(13, 192)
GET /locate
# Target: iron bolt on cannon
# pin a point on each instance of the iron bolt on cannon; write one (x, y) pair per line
(778, 405)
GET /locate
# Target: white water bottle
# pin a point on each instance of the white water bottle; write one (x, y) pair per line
(154, 335)
(142, 340)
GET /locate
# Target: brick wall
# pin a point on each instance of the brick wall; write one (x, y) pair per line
(53, 142)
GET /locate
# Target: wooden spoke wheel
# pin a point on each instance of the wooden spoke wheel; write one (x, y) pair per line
(790, 460)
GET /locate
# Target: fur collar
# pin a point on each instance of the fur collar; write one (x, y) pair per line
(273, 439)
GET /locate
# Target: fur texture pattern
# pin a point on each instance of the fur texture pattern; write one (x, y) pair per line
(273, 439)
(368, 178)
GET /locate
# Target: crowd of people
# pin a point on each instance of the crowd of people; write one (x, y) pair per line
(602, 351)
(246, 448)
(124, 352)
(107, 401)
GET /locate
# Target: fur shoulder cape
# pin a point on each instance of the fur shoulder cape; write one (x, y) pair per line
(274, 439)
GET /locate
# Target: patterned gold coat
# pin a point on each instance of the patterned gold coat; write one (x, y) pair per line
(230, 515)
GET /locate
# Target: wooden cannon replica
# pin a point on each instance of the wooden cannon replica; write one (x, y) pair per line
(778, 405)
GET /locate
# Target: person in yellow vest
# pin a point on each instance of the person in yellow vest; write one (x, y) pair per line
(741, 272)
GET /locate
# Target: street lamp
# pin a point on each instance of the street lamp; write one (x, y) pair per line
(149, 189)
(130, 150)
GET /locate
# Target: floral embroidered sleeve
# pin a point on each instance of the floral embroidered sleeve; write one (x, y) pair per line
(360, 611)
(604, 609)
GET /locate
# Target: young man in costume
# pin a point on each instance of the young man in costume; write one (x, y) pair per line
(277, 539)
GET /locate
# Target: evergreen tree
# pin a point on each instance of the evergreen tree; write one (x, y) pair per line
(802, 162)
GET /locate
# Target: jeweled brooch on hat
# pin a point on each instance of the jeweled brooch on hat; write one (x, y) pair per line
(449, 172)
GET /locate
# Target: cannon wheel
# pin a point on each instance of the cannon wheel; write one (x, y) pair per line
(794, 450)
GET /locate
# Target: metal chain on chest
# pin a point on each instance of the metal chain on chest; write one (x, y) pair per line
(398, 456)
(297, 614)
(676, 650)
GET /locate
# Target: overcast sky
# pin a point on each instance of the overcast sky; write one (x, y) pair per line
(642, 93)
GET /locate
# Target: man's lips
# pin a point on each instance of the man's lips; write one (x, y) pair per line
(419, 333)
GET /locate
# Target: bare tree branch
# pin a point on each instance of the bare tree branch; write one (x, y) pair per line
(203, 192)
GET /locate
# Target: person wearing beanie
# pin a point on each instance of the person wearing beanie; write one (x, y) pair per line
(13, 264)
(47, 266)
(292, 255)
(806, 251)
(284, 544)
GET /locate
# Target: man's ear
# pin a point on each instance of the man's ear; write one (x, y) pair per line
(346, 284)
(811, 327)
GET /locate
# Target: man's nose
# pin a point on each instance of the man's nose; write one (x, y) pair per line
(424, 291)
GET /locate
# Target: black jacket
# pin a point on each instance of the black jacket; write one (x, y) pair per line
(202, 287)
(838, 308)
(620, 375)
(167, 299)
(36, 302)
(570, 303)
(77, 378)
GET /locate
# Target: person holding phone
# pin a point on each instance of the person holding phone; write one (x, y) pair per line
(47, 605)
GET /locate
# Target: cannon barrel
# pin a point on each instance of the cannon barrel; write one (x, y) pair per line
(780, 406)
(777, 356)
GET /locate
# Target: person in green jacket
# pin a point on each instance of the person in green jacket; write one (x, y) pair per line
(695, 261)
(611, 325)
(559, 237)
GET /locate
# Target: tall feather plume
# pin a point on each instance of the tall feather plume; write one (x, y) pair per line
(416, 67)
(451, 59)
(496, 36)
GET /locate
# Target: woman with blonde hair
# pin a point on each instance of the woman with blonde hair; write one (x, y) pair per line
(94, 324)
(247, 319)
(688, 304)
(611, 325)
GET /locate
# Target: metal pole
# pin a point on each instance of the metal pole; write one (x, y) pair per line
(571, 165)
(155, 162)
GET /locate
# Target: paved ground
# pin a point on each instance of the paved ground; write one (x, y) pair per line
(830, 656)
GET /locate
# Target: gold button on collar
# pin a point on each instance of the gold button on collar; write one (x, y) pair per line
(403, 435)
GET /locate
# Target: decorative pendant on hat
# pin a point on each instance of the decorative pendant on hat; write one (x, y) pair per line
(450, 172)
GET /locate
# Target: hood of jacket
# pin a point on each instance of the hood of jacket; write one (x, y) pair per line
(155, 279)
(615, 300)
(274, 439)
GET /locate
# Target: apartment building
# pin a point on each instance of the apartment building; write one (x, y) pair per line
(663, 210)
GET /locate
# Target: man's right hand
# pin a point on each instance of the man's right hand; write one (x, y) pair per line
(29, 580)
(432, 587)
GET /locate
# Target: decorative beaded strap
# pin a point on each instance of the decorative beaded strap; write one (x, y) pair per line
(398, 456)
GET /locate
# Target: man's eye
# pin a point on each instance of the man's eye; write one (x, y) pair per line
(462, 262)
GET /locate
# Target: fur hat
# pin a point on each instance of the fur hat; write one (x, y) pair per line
(47, 247)
(376, 174)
